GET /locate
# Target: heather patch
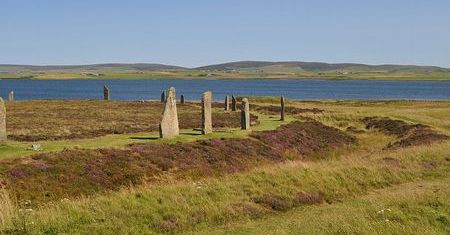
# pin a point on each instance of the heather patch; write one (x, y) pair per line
(76, 172)
(304, 137)
(272, 110)
(408, 134)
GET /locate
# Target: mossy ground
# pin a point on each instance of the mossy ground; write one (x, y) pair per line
(358, 188)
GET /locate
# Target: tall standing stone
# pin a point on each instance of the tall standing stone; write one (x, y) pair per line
(283, 110)
(2, 121)
(163, 97)
(245, 115)
(11, 96)
(206, 113)
(233, 103)
(105, 93)
(169, 123)
(227, 103)
(182, 99)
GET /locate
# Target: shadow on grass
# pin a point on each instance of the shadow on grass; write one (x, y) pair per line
(223, 131)
(144, 138)
(190, 133)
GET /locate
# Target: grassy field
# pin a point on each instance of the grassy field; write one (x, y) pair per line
(319, 172)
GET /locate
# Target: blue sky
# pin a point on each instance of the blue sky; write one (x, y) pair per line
(200, 32)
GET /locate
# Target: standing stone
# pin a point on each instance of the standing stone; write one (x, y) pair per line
(206, 113)
(182, 99)
(11, 96)
(282, 108)
(169, 123)
(2, 121)
(233, 103)
(105, 93)
(227, 103)
(163, 97)
(245, 115)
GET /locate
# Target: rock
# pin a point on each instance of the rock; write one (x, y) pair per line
(105, 93)
(233, 103)
(2, 121)
(227, 103)
(245, 115)
(206, 113)
(283, 109)
(11, 96)
(182, 99)
(163, 97)
(36, 147)
(169, 124)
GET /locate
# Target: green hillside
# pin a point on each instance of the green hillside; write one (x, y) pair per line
(319, 67)
(233, 70)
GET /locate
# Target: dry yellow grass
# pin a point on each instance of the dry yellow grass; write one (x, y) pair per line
(8, 208)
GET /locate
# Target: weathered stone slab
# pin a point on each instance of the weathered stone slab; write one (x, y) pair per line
(105, 93)
(282, 108)
(11, 96)
(233, 103)
(169, 124)
(245, 114)
(227, 103)
(2, 121)
(163, 97)
(206, 113)
(182, 99)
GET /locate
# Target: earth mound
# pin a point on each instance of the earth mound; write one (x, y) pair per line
(408, 134)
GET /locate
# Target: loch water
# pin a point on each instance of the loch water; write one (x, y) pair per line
(139, 89)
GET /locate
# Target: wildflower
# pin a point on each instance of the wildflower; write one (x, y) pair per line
(65, 200)
(27, 202)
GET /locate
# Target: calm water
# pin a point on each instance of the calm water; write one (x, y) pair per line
(192, 89)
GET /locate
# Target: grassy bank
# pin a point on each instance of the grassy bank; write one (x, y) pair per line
(232, 181)
(260, 195)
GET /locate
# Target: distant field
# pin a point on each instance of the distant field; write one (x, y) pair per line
(443, 76)
(234, 70)
(333, 167)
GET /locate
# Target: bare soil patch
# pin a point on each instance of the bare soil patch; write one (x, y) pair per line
(354, 130)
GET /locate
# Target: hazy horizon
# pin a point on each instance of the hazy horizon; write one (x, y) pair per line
(198, 33)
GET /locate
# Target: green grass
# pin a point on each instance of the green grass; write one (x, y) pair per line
(412, 208)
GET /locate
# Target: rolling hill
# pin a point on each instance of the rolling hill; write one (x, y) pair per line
(232, 70)
(317, 67)
(117, 67)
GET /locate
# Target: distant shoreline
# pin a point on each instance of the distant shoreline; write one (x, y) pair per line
(443, 79)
